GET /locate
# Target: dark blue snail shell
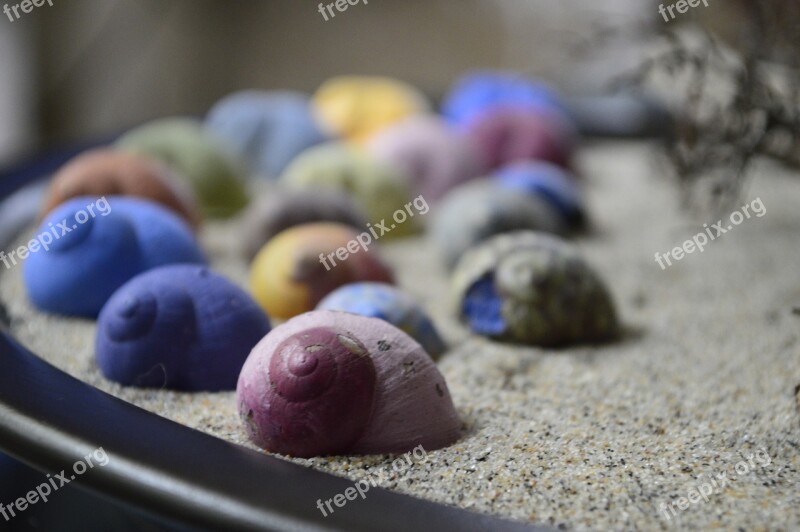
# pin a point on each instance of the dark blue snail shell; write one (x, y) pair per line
(478, 92)
(84, 263)
(181, 327)
(548, 181)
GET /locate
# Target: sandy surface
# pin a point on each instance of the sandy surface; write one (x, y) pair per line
(587, 438)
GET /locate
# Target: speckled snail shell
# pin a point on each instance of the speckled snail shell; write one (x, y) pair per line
(105, 172)
(216, 177)
(478, 210)
(180, 327)
(265, 128)
(80, 269)
(388, 303)
(531, 288)
(329, 383)
(279, 209)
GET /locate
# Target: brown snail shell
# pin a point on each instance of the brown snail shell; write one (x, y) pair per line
(106, 172)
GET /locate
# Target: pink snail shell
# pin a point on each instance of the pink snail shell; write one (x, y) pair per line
(328, 382)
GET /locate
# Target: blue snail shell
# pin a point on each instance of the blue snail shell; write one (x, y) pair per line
(267, 129)
(478, 92)
(383, 301)
(86, 262)
(548, 181)
(182, 327)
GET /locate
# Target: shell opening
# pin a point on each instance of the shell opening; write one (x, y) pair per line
(482, 307)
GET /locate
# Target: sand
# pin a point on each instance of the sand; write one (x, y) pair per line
(589, 437)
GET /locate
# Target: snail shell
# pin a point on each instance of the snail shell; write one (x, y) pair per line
(473, 212)
(266, 129)
(504, 135)
(189, 150)
(356, 107)
(434, 157)
(182, 327)
(82, 268)
(287, 277)
(280, 209)
(106, 172)
(336, 383)
(478, 92)
(379, 188)
(390, 304)
(535, 289)
(552, 183)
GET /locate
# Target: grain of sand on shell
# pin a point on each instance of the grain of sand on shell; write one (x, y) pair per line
(589, 437)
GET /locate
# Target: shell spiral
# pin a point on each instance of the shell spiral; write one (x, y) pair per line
(313, 376)
(180, 327)
(84, 263)
(331, 382)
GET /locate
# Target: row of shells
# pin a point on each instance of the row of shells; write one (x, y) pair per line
(352, 367)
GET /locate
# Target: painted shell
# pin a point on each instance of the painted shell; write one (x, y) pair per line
(434, 157)
(480, 91)
(79, 265)
(195, 155)
(180, 327)
(479, 210)
(356, 107)
(336, 383)
(280, 209)
(535, 289)
(390, 304)
(301, 265)
(554, 184)
(266, 129)
(505, 135)
(105, 172)
(379, 188)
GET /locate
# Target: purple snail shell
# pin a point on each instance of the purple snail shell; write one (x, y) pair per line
(433, 156)
(86, 262)
(181, 327)
(504, 135)
(331, 382)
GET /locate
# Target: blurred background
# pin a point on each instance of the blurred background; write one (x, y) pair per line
(88, 68)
